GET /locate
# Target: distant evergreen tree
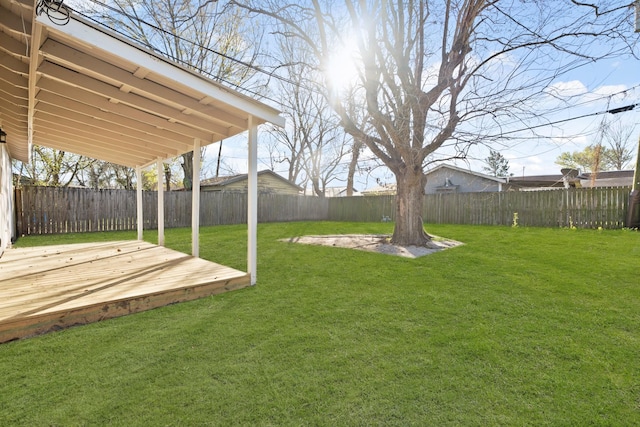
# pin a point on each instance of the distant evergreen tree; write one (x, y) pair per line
(497, 165)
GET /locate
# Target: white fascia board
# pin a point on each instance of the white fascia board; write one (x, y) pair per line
(101, 40)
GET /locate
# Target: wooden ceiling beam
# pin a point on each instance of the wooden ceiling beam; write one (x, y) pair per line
(54, 104)
(14, 23)
(12, 64)
(85, 63)
(18, 112)
(52, 139)
(103, 132)
(115, 49)
(16, 121)
(124, 110)
(98, 107)
(13, 79)
(104, 136)
(12, 46)
(14, 91)
(87, 141)
(71, 78)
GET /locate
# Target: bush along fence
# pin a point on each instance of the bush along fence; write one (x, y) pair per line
(52, 210)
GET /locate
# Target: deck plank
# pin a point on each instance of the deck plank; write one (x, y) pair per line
(49, 288)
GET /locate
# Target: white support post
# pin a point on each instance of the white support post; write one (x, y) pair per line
(139, 201)
(195, 201)
(252, 204)
(160, 165)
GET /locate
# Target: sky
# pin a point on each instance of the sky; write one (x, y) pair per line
(591, 90)
(599, 87)
(594, 88)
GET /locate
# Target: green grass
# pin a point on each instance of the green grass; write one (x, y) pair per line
(520, 326)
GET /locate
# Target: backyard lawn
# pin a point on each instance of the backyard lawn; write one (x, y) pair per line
(519, 326)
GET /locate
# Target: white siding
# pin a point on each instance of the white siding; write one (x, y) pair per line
(6, 200)
(443, 179)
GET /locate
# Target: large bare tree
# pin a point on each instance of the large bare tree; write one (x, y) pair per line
(446, 74)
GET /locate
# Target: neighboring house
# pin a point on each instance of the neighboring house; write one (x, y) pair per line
(334, 192)
(607, 179)
(269, 182)
(453, 179)
(380, 190)
(572, 178)
(541, 182)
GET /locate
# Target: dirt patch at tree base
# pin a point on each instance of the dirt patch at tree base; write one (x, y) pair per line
(376, 243)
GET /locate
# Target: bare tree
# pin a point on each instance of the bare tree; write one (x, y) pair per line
(312, 144)
(620, 152)
(436, 75)
(99, 174)
(51, 167)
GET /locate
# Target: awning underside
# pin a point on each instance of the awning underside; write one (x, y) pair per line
(92, 93)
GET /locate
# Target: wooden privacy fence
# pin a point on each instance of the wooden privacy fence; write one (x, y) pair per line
(579, 207)
(51, 210)
(54, 210)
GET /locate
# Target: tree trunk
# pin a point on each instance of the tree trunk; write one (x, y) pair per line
(167, 177)
(409, 199)
(187, 168)
(353, 164)
(315, 183)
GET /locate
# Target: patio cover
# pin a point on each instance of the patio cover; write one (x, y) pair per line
(80, 88)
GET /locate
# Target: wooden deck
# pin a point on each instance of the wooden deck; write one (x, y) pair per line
(48, 288)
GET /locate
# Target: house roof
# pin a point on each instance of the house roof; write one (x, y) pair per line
(81, 88)
(230, 179)
(338, 191)
(380, 189)
(603, 178)
(538, 180)
(607, 179)
(608, 174)
(467, 171)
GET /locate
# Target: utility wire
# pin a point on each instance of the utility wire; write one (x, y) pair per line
(177, 36)
(612, 111)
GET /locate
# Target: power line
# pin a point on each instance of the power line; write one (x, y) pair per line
(183, 39)
(612, 111)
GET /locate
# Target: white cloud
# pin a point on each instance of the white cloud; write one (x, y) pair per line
(567, 89)
(617, 92)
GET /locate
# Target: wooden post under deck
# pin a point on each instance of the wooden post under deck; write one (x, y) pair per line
(160, 166)
(195, 201)
(139, 201)
(252, 203)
